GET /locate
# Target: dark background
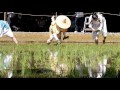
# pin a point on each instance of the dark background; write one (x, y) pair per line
(27, 23)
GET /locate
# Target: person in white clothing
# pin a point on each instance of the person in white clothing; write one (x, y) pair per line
(97, 23)
(53, 31)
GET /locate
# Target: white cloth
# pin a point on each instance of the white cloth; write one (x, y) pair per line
(52, 36)
(53, 32)
(101, 23)
(8, 33)
(5, 29)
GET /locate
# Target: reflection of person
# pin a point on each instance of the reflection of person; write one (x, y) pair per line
(6, 30)
(97, 23)
(102, 67)
(99, 70)
(79, 68)
(5, 63)
(56, 66)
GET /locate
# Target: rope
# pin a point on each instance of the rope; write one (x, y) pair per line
(112, 14)
(66, 15)
(33, 15)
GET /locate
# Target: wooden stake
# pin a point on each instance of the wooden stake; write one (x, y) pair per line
(5, 16)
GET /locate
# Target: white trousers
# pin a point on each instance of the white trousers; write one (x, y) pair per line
(52, 36)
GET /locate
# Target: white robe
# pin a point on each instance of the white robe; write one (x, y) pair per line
(100, 24)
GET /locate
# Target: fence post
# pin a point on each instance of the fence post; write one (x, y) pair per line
(5, 16)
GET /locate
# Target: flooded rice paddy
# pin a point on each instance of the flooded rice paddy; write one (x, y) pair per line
(59, 61)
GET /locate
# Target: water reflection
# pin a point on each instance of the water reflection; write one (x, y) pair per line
(79, 67)
(94, 68)
(6, 65)
(57, 64)
(53, 66)
(99, 70)
(86, 68)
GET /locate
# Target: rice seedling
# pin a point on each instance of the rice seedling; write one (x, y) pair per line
(68, 60)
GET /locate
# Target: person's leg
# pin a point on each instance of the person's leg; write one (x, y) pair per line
(76, 24)
(104, 64)
(104, 37)
(59, 36)
(96, 41)
(82, 23)
(65, 36)
(50, 39)
(104, 31)
(56, 38)
(95, 37)
(104, 40)
(14, 39)
(99, 72)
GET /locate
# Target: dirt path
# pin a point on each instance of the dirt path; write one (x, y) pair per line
(41, 37)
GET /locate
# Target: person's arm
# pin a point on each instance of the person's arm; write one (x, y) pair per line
(90, 19)
(90, 26)
(100, 27)
(90, 23)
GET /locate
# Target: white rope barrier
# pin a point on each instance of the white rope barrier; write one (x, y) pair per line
(44, 15)
(33, 15)
(112, 14)
(66, 15)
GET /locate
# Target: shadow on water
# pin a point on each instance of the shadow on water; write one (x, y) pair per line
(34, 73)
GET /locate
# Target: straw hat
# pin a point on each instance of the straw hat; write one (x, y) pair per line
(63, 22)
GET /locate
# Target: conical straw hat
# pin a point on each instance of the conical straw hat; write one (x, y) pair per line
(63, 22)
